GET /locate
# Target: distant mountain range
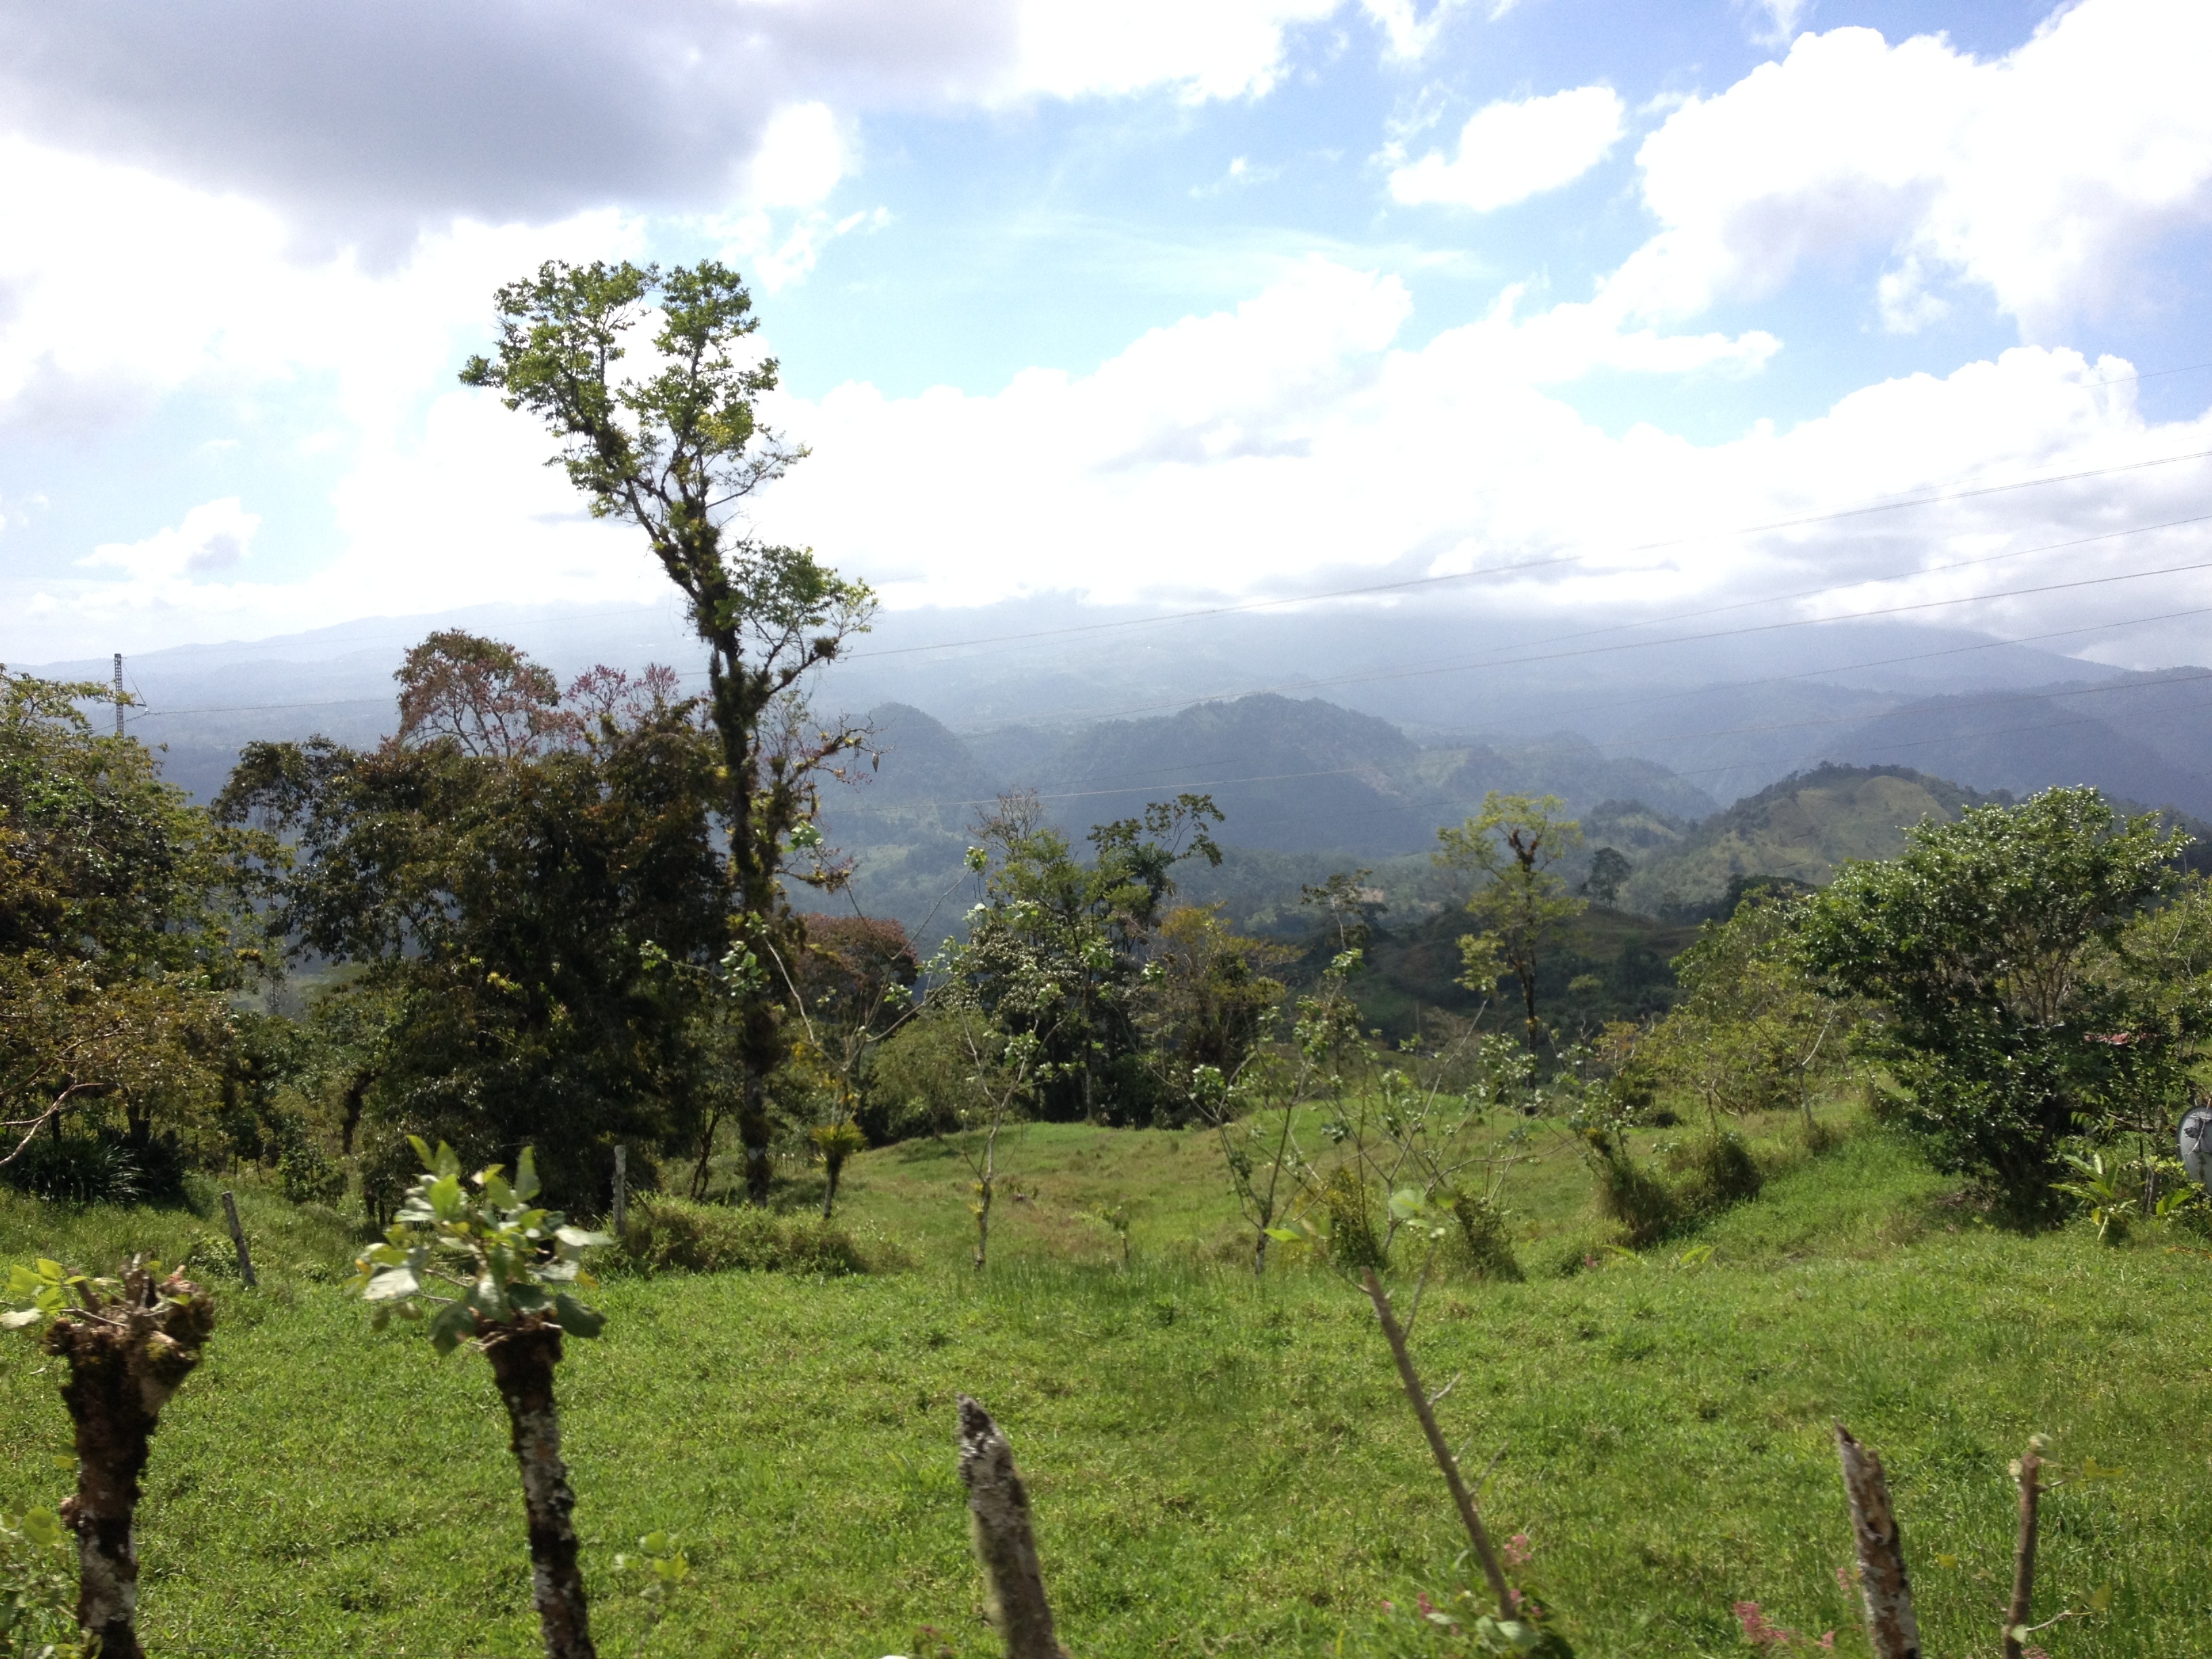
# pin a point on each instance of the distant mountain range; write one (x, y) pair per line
(1382, 723)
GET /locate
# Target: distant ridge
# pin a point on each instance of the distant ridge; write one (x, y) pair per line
(1802, 827)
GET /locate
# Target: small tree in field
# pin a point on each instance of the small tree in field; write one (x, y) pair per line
(1521, 901)
(129, 1344)
(676, 452)
(1988, 946)
(474, 1266)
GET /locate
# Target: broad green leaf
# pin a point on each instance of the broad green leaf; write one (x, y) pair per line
(451, 1324)
(391, 1284)
(525, 1174)
(578, 1238)
(43, 1528)
(576, 1319)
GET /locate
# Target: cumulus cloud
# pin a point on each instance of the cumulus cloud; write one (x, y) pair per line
(1293, 442)
(1296, 442)
(1406, 32)
(231, 308)
(1509, 152)
(213, 537)
(2035, 177)
(375, 120)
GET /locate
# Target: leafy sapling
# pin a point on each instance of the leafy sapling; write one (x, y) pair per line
(476, 1262)
(130, 1345)
(1516, 1626)
(37, 1590)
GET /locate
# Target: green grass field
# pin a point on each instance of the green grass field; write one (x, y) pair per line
(1220, 1466)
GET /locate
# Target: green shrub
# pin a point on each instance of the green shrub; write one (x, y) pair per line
(1722, 1172)
(1483, 1232)
(38, 1588)
(1351, 1240)
(1628, 1192)
(672, 1234)
(308, 1175)
(77, 1169)
(213, 1256)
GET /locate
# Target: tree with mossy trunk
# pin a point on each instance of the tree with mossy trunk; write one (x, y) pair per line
(678, 453)
(477, 1263)
(130, 1344)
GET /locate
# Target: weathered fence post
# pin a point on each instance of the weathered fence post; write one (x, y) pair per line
(621, 1211)
(1892, 1625)
(998, 1521)
(2028, 1472)
(238, 1238)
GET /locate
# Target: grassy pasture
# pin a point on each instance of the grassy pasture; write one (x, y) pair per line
(1220, 1466)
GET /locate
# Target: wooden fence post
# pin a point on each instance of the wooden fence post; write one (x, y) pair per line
(1892, 1625)
(621, 1211)
(998, 1521)
(2028, 1472)
(238, 1238)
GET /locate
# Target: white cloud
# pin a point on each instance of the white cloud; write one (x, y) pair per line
(1509, 152)
(1783, 18)
(1292, 443)
(1409, 35)
(2035, 177)
(213, 537)
(1225, 49)
(233, 308)
(373, 122)
(800, 159)
(1289, 443)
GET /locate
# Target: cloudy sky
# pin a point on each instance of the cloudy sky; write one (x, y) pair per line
(1165, 301)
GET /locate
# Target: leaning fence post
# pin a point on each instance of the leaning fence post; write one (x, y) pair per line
(1892, 1625)
(238, 1238)
(998, 1521)
(622, 1190)
(2028, 1472)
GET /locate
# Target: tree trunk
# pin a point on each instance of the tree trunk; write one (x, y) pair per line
(754, 1133)
(1892, 1627)
(1527, 974)
(1005, 1544)
(522, 1361)
(2028, 1472)
(126, 1357)
(1477, 1535)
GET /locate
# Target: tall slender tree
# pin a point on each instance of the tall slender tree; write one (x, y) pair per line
(1508, 848)
(677, 452)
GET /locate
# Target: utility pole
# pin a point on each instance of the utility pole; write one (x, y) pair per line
(118, 694)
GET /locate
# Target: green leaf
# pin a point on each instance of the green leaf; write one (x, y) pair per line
(451, 1324)
(43, 1528)
(576, 1319)
(525, 1174)
(578, 1238)
(391, 1284)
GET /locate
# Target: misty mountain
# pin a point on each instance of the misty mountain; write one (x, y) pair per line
(1802, 827)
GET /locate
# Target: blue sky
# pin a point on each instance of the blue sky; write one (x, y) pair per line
(1142, 302)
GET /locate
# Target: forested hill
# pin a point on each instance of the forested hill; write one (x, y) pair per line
(1802, 827)
(1313, 784)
